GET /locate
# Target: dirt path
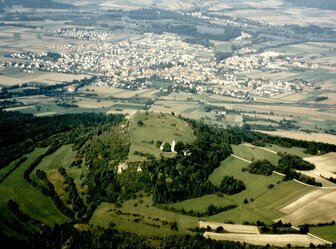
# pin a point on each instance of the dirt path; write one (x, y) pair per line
(262, 148)
(241, 158)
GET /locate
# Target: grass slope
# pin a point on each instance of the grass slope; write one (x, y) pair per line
(31, 201)
(266, 202)
(5, 171)
(157, 127)
(325, 232)
(254, 153)
(201, 204)
(294, 150)
(63, 157)
(106, 214)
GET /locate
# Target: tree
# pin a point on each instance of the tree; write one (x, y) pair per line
(260, 167)
(230, 185)
(219, 229)
(212, 209)
(173, 226)
(179, 147)
(140, 123)
(158, 144)
(166, 147)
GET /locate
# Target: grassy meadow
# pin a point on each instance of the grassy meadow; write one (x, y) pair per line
(156, 127)
(31, 200)
(140, 216)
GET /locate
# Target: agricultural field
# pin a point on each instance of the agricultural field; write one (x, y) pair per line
(241, 65)
(156, 127)
(325, 162)
(325, 232)
(312, 208)
(231, 228)
(186, 109)
(14, 78)
(106, 91)
(263, 202)
(320, 175)
(317, 137)
(299, 240)
(37, 205)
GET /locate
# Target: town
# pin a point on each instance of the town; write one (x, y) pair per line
(139, 63)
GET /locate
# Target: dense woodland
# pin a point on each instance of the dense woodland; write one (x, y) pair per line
(21, 133)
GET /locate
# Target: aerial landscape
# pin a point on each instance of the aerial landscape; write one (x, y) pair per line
(168, 124)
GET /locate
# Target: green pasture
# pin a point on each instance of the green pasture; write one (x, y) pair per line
(31, 200)
(147, 215)
(156, 127)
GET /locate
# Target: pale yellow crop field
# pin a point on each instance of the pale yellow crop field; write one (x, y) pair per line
(264, 239)
(41, 77)
(318, 174)
(325, 162)
(299, 16)
(317, 137)
(313, 208)
(231, 228)
(93, 103)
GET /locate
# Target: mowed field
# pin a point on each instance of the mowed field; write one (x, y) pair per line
(312, 208)
(326, 232)
(326, 162)
(140, 216)
(156, 127)
(264, 203)
(10, 79)
(282, 240)
(189, 109)
(317, 137)
(282, 16)
(31, 200)
(105, 91)
(231, 228)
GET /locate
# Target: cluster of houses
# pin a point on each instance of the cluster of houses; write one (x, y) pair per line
(263, 61)
(81, 34)
(138, 63)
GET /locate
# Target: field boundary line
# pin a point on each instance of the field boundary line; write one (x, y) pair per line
(262, 148)
(241, 158)
(278, 173)
(313, 185)
(316, 237)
